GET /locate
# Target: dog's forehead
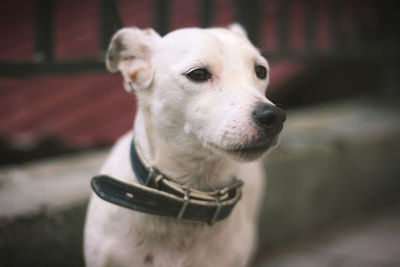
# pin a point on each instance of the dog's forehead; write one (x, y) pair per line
(198, 41)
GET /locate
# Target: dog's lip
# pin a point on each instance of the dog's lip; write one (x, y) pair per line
(251, 149)
(246, 149)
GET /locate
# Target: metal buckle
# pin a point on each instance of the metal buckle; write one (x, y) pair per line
(157, 181)
(235, 184)
(151, 172)
(185, 203)
(216, 213)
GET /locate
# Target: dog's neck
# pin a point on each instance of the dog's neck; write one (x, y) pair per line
(187, 163)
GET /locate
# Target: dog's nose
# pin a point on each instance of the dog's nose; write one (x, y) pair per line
(269, 117)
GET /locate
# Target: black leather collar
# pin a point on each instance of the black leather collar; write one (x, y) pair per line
(159, 195)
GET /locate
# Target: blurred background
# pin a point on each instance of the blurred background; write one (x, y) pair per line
(335, 66)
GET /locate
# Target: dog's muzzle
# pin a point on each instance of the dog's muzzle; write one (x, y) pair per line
(268, 122)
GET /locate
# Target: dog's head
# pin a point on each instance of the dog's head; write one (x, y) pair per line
(200, 86)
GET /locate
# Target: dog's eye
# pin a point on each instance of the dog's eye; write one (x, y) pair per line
(261, 71)
(199, 75)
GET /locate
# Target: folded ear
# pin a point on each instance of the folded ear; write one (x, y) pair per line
(238, 28)
(130, 52)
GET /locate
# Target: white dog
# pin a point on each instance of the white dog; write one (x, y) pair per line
(202, 122)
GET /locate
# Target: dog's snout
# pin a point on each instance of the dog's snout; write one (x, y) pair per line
(269, 117)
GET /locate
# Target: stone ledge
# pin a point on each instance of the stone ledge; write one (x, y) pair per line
(60, 182)
(333, 159)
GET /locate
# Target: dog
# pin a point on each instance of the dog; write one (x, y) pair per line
(204, 123)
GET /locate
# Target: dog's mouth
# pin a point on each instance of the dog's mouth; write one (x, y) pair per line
(248, 152)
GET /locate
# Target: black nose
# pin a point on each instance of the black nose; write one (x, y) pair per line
(269, 117)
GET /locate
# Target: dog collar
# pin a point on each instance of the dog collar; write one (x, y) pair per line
(159, 195)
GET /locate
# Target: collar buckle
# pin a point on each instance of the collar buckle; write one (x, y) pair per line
(218, 207)
(158, 180)
(236, 184)
(149, 176)
(185, 203)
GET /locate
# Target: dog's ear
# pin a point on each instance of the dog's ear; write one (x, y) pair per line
(238, 28)
(130, 52)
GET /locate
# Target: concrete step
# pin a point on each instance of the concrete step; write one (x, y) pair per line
(364, 240)
(51, 184)
(333, 160)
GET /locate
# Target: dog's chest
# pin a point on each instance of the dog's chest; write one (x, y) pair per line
(183, 245)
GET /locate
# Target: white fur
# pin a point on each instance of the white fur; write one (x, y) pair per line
(184, 129)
